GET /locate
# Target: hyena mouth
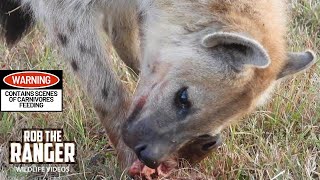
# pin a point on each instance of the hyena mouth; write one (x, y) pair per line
(192, 152)
(139, 169)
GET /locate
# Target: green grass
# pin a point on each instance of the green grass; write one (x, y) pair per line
(278, 141)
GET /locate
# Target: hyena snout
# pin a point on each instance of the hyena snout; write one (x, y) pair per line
(154, 147)
(151, 154)
(193, 151)
(150, 146)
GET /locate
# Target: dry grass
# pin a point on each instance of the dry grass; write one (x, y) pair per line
(279, 141)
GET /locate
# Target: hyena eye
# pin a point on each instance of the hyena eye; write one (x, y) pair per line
(182, 99)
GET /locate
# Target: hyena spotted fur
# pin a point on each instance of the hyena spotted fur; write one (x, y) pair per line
(203, 64)
(74, 26)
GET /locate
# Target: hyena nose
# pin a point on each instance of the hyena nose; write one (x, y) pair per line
(147, 156)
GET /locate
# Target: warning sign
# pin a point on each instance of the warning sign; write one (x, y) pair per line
(31, 91)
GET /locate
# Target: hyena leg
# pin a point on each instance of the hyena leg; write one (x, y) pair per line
(73, 26)
(123, 31)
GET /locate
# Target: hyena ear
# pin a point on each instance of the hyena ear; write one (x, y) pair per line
(297, 62)
(243, 50)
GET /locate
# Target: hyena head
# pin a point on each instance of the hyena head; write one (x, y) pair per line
(204, 68)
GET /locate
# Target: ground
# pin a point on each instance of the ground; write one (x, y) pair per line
(279, 141)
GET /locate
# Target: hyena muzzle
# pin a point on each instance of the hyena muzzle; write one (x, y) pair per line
(203, 64)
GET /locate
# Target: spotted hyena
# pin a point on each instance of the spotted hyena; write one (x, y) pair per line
(203, 64)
